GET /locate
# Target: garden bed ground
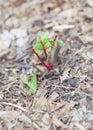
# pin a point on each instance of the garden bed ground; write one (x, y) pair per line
(64, 98)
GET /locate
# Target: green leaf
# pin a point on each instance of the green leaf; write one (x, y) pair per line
(44, 37)
(46, 41)
(48, 46)
(38, 48)
(59, 42)
(31, 84)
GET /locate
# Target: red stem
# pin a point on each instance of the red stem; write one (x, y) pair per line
(49, 65)
(39, 58)
(44, 49)
(55, 38)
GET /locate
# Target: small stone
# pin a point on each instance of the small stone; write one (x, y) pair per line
(90, 3)
(90, 55)
(72, 82)
(8, 42)
(6, 35)
(4, 44)
(19, 33)
(20, 42)
(25, 119)
(10, 125)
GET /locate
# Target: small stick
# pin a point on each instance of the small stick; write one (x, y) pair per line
(14, 105)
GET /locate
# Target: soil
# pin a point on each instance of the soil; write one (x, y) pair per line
(64, 97)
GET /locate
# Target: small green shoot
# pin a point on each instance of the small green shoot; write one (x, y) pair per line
(31, 84)
(47, 48)
(47, 42)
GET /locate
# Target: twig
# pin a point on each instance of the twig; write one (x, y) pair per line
(7, 86)
(36, 126)
(14, 105)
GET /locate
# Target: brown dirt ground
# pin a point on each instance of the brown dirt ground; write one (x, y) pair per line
(64, 99)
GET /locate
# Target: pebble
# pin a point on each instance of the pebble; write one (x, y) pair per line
(20, 42)
(72, 82)
(4, 44)
(90, 3)
(90, 55)
(18, 33)
(8, 43)
(6, 35)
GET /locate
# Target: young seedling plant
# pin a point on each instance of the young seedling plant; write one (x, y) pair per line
(49, 49)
